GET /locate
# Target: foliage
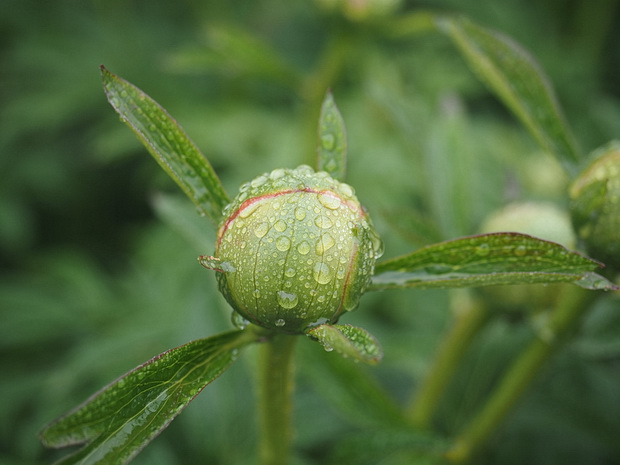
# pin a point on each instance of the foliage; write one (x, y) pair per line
(96, 284)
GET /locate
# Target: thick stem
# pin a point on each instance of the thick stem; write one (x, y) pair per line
(470, 317)
(276, 382)
(568, 313)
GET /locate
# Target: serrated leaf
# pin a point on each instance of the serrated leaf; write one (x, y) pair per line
(169, 145)
(332, 146)
(513, 75)
(350, 341)
(120, 420)
(489, 259)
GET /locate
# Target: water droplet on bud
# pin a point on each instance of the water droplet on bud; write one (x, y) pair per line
(329, 200)
(283, 243)
(261, 229)
(328, 141)
(322, 273)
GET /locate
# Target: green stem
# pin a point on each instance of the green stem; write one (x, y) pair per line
(571, 307)
(470, 317)
(276, 381)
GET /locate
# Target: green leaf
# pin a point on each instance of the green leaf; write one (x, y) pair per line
(351, 389)
(179, 214)
(125, 416)
(332, 147)
(349, 341)
(513, 75)
(169, 145)
(390, 446)
(489, 259)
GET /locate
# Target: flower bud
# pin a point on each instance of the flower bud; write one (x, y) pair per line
(595, 206)
(296, 250)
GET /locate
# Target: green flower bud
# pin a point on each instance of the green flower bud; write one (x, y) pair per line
(296, 249)
(595, 205)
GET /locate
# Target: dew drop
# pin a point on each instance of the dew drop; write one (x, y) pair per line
(331, 165)
(328, 141)
(377, 245)
(287, 300)
(283, 243)
(438, 268)
(280, 225)
(329, 200)
(261, 229)
(303, 248)
(280, 322)
(323, 222)
(322, 273)
(520, 251)
(238, 321)
(259, 181)
(346, 190)
(300, 213)
(247, 211)
(325, 243)
(227, 267)
(304, 169)
(290, 272)
(483, 250)
(277, 174)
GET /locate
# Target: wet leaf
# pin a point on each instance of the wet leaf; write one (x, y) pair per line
(489, 259)
(120, 420)
(168, 143)
(513, 75)
(349, 341)
(332, 147)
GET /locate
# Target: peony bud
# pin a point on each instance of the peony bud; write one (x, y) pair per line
(595, 206)
(295, 250)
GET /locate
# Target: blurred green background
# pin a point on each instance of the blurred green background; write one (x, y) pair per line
(98, 248)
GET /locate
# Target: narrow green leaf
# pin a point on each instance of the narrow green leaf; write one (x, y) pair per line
(513, 75)
(178, 213)
(489, 259)
(125, 416)
(349, 341)
(169, 145)
(332, 147)
(351, 389)
(392, 446)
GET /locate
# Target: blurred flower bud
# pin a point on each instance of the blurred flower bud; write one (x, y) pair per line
(595, 205)
(540, 219)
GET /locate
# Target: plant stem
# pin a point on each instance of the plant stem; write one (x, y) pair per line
(571, 307)
(470, 317)
(276, 381)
